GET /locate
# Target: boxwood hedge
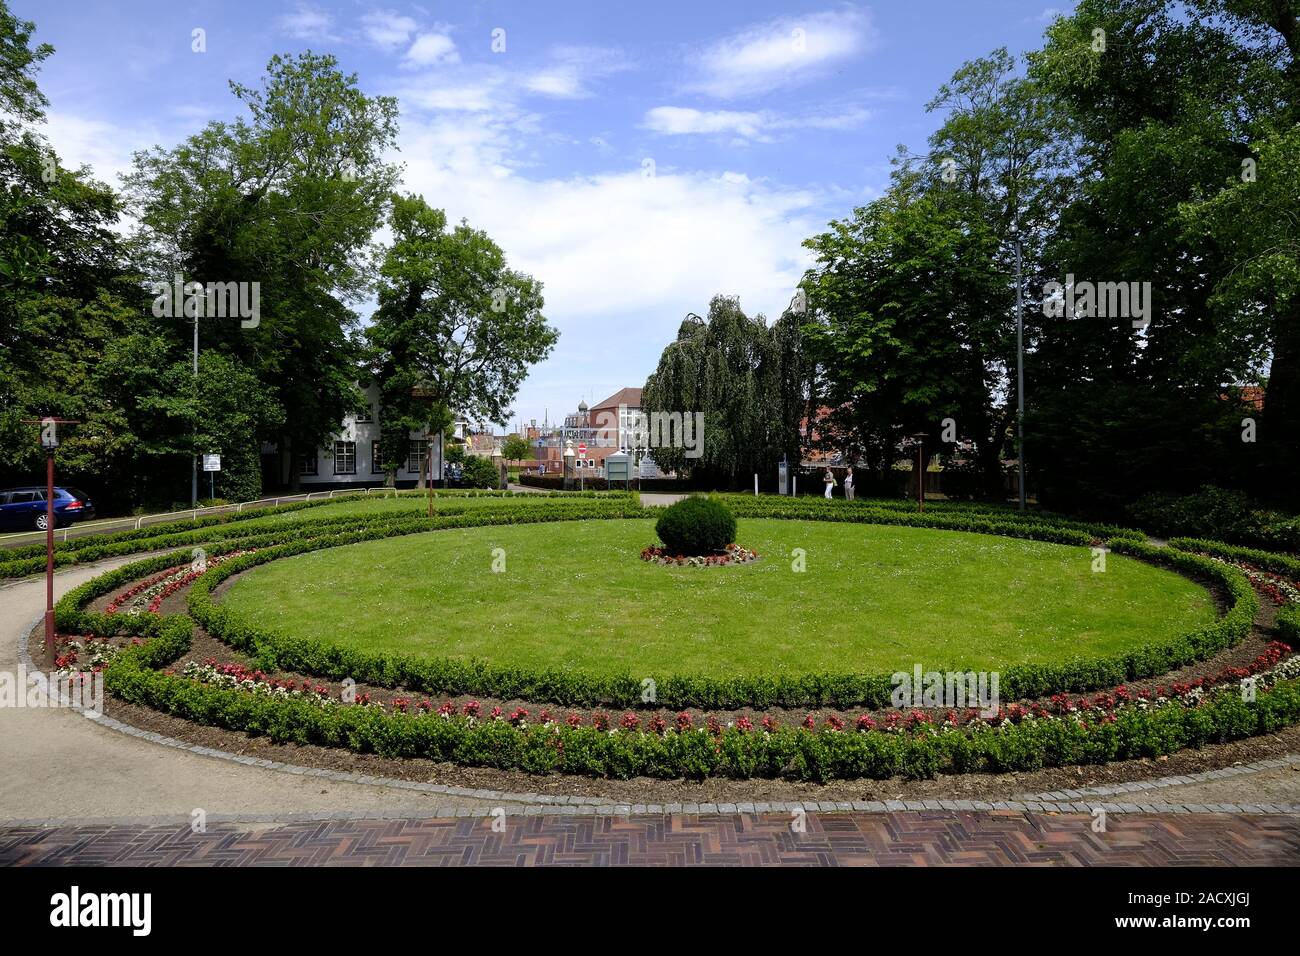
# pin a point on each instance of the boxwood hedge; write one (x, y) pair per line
(441, 675)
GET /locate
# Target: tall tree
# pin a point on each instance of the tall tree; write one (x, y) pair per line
(1165, 107)
(456, 329)
(288, 198)
(746, 378)
(65, 295)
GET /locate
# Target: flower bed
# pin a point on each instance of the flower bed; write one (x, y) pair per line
(916, 749)
(731, 554)
(148, 595)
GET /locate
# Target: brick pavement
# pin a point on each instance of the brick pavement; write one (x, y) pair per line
(939, 838)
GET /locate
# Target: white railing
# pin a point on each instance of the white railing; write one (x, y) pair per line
(139, 521)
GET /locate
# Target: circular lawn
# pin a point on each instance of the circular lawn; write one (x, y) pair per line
(870, 599)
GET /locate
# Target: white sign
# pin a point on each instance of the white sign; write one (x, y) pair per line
(211, 462)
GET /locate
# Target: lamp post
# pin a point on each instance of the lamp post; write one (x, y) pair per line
(919, 438)
(194, 458)
(1020, 378)
(50, 444)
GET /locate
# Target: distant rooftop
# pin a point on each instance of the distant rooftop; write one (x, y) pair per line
(631, 397)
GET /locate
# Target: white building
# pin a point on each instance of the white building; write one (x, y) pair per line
(354, 458)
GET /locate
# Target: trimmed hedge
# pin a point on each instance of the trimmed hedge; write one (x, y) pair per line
(31, 559)
(556, 483)
(946, 516)
(695, 754)
(450, 676)
(136, 676)
(1267, 560)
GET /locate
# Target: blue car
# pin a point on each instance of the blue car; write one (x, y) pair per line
(23, 509)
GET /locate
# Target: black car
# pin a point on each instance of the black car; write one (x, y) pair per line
(24, 509)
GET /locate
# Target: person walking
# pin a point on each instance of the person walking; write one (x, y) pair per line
(829, 480)
(848, 484)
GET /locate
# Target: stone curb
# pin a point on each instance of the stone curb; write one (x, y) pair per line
(1176, 781)
(625, 811)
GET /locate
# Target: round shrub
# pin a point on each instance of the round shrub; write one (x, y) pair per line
(696, 525)
(479, 472)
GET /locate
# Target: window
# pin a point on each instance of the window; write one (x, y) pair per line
(416, 453)
(376, 458)
(364, 416)
(24, 497)
(345, 458)
(307, 463)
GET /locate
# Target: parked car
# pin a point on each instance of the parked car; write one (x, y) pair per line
(24, 509)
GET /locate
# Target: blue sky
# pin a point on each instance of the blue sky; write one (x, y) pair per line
(635, 157)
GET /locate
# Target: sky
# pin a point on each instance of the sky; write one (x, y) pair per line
(636, 158)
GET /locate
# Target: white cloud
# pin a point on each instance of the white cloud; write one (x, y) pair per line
(616, 243)
(386, 29)
(473, 91)
(560, 82)
(761, 125)
(106, 147)
(308, 22)
(678, 120)
(779, 53)
(430, 49)
(572, 68)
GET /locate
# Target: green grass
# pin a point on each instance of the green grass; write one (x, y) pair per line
(873, 599)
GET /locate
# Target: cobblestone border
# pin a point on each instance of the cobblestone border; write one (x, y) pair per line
(624, 810)
(538, 804)
(1180, 780)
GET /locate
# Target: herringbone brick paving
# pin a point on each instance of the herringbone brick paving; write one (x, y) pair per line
(941, 838)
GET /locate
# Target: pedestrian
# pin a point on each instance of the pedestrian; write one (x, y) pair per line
(829, 480)
(848, 485)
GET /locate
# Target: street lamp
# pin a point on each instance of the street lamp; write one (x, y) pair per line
(919, 439)
(1020, 373)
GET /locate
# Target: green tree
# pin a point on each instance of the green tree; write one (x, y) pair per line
(1164, 110)
(456, 329)
(65, 295)
(516, 448)
(288, 198)
(746, 379)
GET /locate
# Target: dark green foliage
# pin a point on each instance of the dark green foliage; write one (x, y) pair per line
(1220, 514)
(480, 472)
(696, 525)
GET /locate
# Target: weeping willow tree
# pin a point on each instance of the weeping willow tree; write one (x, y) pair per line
(747, 379)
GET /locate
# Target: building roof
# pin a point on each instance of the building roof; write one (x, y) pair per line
(631, 397)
